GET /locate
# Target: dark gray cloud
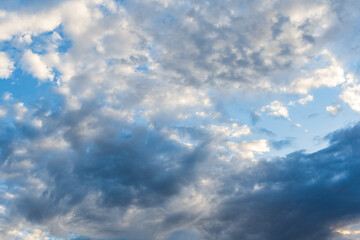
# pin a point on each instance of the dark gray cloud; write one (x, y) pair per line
(129, 165)
(300, 196)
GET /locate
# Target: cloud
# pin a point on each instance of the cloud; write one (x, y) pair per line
(234, 130)
(300, 196)
(33, 64)
(6, 66)
(142, 124)
(333, 109)
(305, 100)
(248, 150)
(16, 24)
(329, 77)
(276, 109)
(351, 96)
(103, 167)
(2, 112)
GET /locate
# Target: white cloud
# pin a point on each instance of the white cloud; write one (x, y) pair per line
(6, 66)
(12, 23)
(351, 96)
(276, 109)
(308, 98)
(190, 64)
(34, 64)
(2, 112)
(233, 130)
(36, 235)
(20, 111)
(249, 149)
(333, 109)
(330, 76)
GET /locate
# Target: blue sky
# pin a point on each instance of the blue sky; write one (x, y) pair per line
(172, 120)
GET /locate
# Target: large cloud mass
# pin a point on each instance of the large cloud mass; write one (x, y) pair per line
(132, 129)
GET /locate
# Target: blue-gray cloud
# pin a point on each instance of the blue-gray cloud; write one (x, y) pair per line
(142, 137)
(300, 196)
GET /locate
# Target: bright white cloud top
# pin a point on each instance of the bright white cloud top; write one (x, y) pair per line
(166, 120)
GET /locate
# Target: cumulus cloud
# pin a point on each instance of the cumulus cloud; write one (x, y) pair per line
(351, 96)
(33, 63)
(305, 100)
(234, 130)
(330, 76)
(276, 109)
(6, 66)
(333, 109)
(248, 150)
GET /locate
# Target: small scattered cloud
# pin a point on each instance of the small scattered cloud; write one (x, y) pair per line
(305, 100)
(276, 109)
(333, 109)
(232, 130)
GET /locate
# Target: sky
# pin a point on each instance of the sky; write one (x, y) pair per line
(179, 119)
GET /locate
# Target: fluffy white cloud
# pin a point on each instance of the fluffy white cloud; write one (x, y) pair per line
(13, 23)
(330, 76)
(351, 96)
(276, 109)
(305, 100)
(233, 130)
(249, 149)
(33, 63)
(333, 109)
(6, 66)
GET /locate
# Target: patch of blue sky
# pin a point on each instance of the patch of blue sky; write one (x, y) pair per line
(41, 42)
(65, 44)
(25, 88)
(315, 122)
(104, 10)
(164, 21)
(168, 19)
(306, 129)
(154, 52)
(8, 46)
(313, 115)
(142, 68)
(122, 2)
(10, 5)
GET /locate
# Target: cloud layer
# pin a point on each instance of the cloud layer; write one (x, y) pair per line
(169, 120)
